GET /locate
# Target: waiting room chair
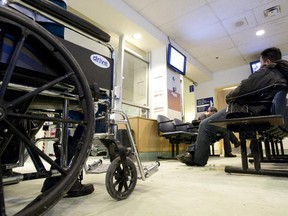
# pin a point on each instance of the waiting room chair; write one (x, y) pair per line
(268, 126)
(167, 129)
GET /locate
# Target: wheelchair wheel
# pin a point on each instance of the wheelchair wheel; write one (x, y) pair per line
(40, 81)
(121, 181)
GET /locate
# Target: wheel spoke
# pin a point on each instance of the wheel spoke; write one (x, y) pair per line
(37, 91)
(34, 147)
(11, 66)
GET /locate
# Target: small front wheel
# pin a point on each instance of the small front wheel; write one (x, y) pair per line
(120, 181)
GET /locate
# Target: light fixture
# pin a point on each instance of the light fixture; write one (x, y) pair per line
(137, 36)
(260, 32)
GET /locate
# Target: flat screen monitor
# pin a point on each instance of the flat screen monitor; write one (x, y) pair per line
(176, 60)
(255, 65)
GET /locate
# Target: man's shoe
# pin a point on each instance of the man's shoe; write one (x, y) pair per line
(230, 155)
(79, 189)
(186, 158)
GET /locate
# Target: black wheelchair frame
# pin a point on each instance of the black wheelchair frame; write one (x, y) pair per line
(42, 82)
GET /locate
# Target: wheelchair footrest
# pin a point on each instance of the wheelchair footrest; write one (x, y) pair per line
(96, 167)
(150, 169)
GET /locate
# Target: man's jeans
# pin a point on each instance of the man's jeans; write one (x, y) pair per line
(206, 134)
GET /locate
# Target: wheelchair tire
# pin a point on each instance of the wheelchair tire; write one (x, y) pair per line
(118, 183)
(60, 87)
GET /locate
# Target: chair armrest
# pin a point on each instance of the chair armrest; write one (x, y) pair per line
(165, 121)
(196, 122)
(183, 124)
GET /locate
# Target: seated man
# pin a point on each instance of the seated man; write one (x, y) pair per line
(273, 71)
(226, 135)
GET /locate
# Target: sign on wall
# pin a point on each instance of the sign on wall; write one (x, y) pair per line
(204, 103)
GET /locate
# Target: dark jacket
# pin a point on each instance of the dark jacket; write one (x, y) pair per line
(255, 94)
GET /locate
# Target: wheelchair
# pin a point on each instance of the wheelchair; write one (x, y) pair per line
(43, 86)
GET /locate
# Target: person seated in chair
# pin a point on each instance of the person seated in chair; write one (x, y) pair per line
(228, 136)
(273, 71)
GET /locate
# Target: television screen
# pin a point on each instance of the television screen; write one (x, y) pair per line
(255, 65)
(176, 60)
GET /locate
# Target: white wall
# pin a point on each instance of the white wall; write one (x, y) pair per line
(221, 79)
(158, 83)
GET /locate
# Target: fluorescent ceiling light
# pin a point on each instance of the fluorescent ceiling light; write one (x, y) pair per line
(137, 36)
(260, 32)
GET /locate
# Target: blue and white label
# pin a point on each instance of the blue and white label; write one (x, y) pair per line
(100, 61)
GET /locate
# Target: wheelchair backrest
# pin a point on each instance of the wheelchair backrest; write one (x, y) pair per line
(96, 67)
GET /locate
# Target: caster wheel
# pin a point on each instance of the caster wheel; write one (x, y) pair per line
(121, 182)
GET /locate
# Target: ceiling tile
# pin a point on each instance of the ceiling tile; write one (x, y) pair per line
(191, 22)
(228, 8)
(201, 37)
(139, 4)
(240, 22)
(165, 11)
(212, 48)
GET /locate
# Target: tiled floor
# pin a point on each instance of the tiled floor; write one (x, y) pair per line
(175, 190)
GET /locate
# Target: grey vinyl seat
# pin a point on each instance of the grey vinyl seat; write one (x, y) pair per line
(167, 129)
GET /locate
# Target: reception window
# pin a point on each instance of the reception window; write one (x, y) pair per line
(135, 85)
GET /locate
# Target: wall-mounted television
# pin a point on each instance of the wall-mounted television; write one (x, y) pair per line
(255, 65)
(176, 60)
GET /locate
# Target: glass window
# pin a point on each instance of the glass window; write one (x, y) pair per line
(135, 85)
(133, 111)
